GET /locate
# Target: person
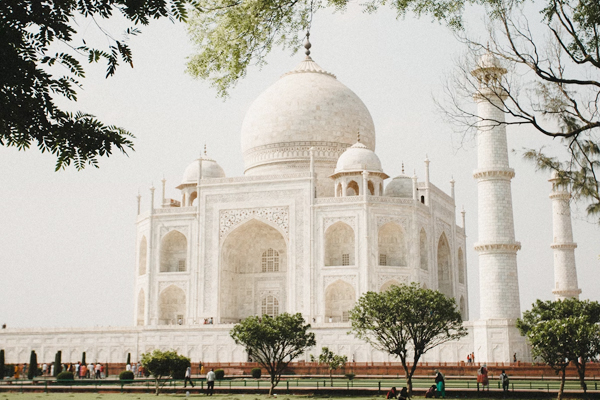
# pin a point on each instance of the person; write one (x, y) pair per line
(504, 381)
(44, 369)
(403, 394)
(210, 382)
(188, 377)
(469, 358)
(392, 394)
(128, 367)
(82, 371)
(430, 393)
(97, 369)
(482, 377)
(473, 357)
(441, 385)
(90, 371)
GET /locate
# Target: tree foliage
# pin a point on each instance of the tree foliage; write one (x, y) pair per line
(332, 360)
(33, 365)
(33, 33)
(2, 364)
(553, 85)
(406, 320)
(163, 364)
(561, 332)
(231, 35)
(273, 342)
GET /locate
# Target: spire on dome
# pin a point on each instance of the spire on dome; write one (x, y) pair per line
(358, 137)
(307, 45)
(402, 167)
(205, 149)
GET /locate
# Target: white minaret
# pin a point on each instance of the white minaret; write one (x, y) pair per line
(496, 246)
(565, 271)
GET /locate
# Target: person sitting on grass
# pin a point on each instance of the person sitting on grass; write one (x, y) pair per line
(403, 394)
(430, 392)
(392, 394)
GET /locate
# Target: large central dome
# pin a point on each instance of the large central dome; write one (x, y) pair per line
(307, 107)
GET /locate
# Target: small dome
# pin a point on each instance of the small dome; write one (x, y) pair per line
(358, 158)
(400, 186)
(488, 60)
(210, 169)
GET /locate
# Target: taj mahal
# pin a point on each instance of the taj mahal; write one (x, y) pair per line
(314, 223)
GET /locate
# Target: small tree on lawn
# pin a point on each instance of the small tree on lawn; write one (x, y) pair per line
(83, 359)
(2, 364)
(332, 360)
(58, 363)
(128, 358)
(406, 319)
(33, 366)
(162, 364)
(561, 332)
(274, 342)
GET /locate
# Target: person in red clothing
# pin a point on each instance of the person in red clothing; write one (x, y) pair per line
(392, 394)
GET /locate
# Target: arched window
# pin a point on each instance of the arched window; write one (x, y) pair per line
(270, 306)
(423, 199)
(338, 192)
(423, 250)
(173, 252)
(142, 256)
(339, 245)
(270, 261)
(371, 188)
(444, 267)
(352, 189)
(461, 266)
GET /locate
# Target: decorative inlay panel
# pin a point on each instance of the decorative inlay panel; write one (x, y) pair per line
(385, 278)
(403, 222)
(327, 222)
(163, 285)
(498, 247)
(329, 279)
(230, 219)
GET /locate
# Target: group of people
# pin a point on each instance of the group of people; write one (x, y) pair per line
(210, 380)
(89, 371)
(137, 369)
(439, 388)
(208, 321)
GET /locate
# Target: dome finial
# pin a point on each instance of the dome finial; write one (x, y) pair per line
(358, 137)
(307, 44)
(402, 167)
(205, 149)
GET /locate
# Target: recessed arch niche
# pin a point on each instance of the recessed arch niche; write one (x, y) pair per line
(171, 306)
(173, 252)
(142, 256)
(463, 308)
(340, 297)
(339, 245)
(392, 247)
(423, 252)
(444, 269)
(461, 266)
(253, 260)
(389, 284)
(141, 308)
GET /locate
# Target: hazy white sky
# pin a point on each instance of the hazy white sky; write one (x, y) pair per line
(68, 238)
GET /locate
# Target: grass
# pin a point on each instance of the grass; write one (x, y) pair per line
(118, 396)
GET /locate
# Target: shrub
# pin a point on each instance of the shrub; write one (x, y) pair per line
(65, 376)
(256, 372)
(219, 374)
(350, 376)
(126, 376)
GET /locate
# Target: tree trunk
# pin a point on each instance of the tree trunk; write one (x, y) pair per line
(157, 389)
(562, 383)
(408, 376)
(331, 378)
(581, 372)
(272, 388)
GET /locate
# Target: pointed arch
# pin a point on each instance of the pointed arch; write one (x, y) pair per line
(461, 266)
(463, 308)
(171, 306)
(141, 308)
(339, 245)
(253, 258)
(340, 297)
(371, 188)
(338, 191)
(142, 256)
(352, 189)
(392, 245)
(193, 198)
(423, 250)
(444, 267)
(389, 284)
(173, 252)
